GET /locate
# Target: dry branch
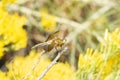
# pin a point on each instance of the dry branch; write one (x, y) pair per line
(60, 52)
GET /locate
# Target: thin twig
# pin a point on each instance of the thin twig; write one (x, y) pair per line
(37, 14)
(86, 24)
(52, 63)
(33, 68)
(74, 24)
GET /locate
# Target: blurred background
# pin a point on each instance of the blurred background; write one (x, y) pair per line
(81, 23)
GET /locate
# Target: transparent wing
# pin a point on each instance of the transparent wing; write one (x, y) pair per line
(51, 36)
(41, 45)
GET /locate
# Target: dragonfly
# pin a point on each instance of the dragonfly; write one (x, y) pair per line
(53, 41)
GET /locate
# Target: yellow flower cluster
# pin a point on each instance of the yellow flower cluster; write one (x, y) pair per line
(11, 31)
(4, 2)
(88, 65)
(48, 21)
(113, 37)
(3, 76)
(20, 67)
(1, 48)
(103, 64)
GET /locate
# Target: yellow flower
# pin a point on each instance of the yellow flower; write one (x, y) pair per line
(48, 21)
(11, 29)
(1, 48)
(4, 2)
(62, 71)
(22, 66)
(113, 37)
(88, 64)
(103, 64)
(3, 76)
(91, 57)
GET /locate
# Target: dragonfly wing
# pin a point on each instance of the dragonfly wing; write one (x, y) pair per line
(41, 45)
(51, 36)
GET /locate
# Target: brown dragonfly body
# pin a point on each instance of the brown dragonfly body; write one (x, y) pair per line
(53, 41)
